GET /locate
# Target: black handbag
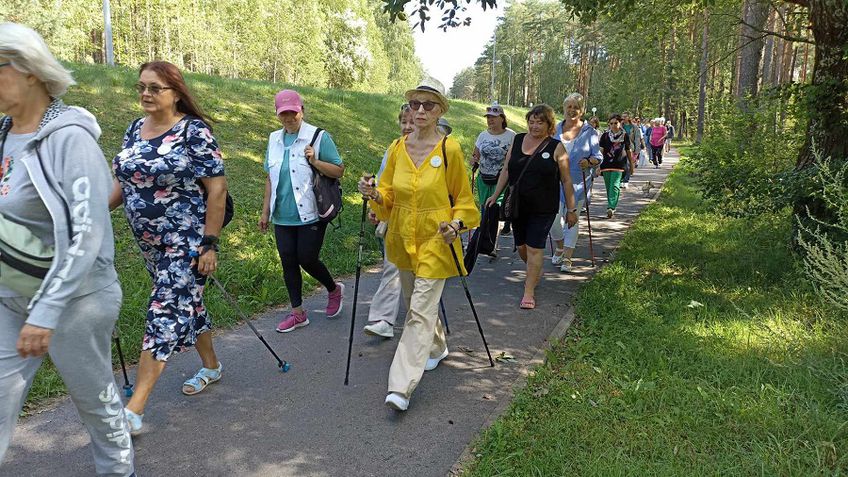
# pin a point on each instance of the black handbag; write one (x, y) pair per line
(511, 205)
(327, 190)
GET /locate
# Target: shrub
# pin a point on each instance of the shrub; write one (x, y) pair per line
(825, 245)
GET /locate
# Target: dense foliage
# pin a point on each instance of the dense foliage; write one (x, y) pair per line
(341, 43)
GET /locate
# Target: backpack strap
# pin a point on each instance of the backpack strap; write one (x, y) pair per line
(318, 131)
(315, 136)
(445, 162)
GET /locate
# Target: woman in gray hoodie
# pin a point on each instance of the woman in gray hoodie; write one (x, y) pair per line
(54, 180)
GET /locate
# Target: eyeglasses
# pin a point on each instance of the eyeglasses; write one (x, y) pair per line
(428, 105)
(152, 89)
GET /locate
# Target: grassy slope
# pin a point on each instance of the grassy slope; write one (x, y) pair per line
(362, 125)
(752, 382)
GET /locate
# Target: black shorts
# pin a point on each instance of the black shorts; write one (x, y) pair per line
(532, 230)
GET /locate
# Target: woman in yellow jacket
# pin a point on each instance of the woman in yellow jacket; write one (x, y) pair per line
(426, 199)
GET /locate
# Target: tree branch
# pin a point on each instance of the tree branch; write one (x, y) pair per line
(766, 32)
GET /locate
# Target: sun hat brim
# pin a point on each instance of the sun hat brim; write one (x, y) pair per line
(442, 100)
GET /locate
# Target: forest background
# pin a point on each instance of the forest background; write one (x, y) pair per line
(340, 44)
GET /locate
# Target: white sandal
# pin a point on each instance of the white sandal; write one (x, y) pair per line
(556, 258)
(201, 379)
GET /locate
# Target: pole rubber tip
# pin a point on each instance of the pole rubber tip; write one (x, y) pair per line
(285, 367)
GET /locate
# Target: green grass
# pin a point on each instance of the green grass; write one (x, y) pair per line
(362, 126)
(754, 382)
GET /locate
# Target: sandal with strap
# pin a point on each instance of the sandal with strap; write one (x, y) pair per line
(527, 303)
(558, 256)
(201, 379)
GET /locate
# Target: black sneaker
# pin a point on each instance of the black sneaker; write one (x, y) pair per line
(507, 231)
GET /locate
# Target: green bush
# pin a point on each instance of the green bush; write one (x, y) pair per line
(825, 245)
(745, 165)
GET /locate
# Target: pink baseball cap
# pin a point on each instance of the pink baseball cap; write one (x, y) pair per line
(288, 100)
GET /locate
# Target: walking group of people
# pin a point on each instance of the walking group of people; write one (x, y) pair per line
(170, 181)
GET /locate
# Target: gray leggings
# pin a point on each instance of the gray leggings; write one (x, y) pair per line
(81, 349)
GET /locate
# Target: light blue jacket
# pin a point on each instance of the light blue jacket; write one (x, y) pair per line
(586, 145)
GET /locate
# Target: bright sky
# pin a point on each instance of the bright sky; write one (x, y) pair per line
(445, 54)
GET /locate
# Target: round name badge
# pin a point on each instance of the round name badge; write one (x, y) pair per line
(546, 155)
(164, 149)
(436, 161)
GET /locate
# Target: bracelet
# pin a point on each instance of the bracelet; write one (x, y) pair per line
(455, 230)
(209, 240)
(206, 248)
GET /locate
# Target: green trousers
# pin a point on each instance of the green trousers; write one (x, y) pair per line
(612, 179)
(484, 191)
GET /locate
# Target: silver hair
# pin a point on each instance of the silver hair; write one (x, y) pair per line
(576, 97)
(24, 48)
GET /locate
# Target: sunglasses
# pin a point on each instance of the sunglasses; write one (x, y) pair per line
(5, 64)
(493, 110)
(428, 105)
(152, 89)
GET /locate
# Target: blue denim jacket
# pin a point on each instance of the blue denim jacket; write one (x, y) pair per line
(586, 145)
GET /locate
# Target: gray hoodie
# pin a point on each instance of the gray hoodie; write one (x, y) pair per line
(72, 178)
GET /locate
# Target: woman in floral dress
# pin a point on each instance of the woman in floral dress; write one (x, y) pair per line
(169, 161)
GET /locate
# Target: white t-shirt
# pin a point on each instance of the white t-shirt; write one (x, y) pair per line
(493, 150)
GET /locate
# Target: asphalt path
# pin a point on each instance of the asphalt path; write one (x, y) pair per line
(258, 421)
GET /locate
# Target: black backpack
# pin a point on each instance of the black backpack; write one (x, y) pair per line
(229, 207)
(327, 190)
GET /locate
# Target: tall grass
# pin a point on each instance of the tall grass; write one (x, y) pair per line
(699, 351)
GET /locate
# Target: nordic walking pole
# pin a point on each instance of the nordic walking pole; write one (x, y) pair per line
(128, 387)
(283, 365)
(356, 287)
(471, 303)
(444, 315)
(588, 217)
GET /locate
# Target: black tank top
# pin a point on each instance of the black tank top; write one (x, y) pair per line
(539, 187)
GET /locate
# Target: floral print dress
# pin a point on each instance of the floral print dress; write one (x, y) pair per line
(164, 205)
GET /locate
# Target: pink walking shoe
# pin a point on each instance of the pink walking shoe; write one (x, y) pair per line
(293, 321)
(334, 301)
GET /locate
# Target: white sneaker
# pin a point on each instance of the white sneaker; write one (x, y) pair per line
(133, 421)
(556, 259)
(379, 328)
(397, 402)
(624, 185)
(433, 362)
(566, 266)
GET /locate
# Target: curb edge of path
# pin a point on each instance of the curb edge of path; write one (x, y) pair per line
(519, 383)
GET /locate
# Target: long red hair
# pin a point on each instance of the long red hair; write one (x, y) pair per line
(171, 75)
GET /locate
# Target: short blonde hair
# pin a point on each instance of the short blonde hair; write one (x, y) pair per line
(576, 98)
(24, 48)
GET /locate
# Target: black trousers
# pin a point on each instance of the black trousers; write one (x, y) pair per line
(299, 247)
(657, 153)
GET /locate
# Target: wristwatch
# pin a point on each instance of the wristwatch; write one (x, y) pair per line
(461, 224)
(572, 211)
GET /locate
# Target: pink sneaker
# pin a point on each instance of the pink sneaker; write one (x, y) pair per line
(334, 301)
(292, 322)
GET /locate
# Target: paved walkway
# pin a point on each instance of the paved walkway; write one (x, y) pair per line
(260, 422)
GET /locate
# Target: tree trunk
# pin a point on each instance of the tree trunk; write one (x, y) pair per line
(828, 98)
(702, 92)
(754, 13)
(768, 53)
(669, 76)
